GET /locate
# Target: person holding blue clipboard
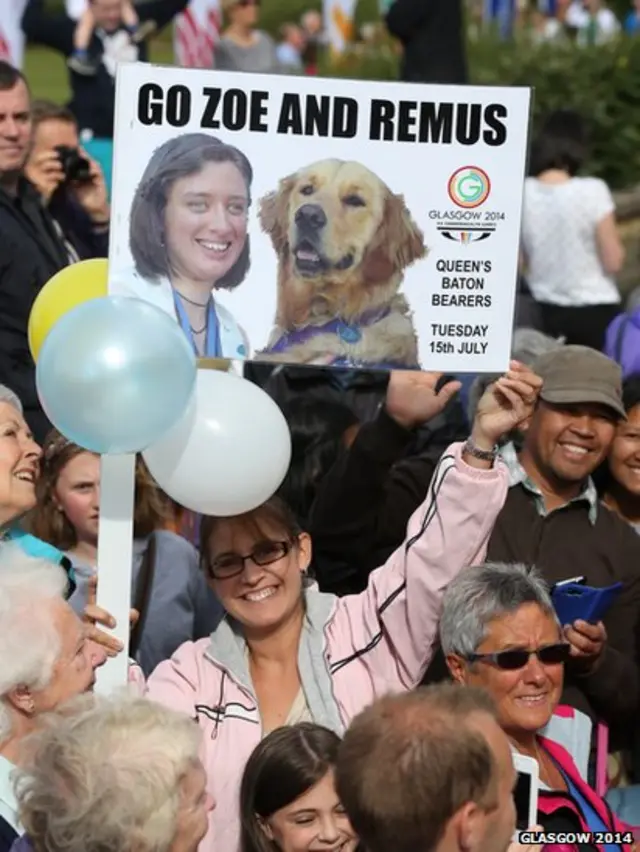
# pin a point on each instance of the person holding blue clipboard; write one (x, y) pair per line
(188, 237)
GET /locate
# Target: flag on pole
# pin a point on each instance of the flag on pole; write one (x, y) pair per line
(502, 12)
(196, 32)
(338, 23)
(11, 35)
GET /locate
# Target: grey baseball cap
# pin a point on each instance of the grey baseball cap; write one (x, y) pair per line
(577, 374)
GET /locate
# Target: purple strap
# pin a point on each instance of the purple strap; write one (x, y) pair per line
(348, 332)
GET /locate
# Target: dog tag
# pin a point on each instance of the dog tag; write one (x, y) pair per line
(349, 333)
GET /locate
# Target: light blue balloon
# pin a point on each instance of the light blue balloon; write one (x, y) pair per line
(115, 374)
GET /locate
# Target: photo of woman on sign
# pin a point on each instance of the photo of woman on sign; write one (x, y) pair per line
(188, 237)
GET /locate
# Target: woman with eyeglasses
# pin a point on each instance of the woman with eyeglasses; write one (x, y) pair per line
(46, 658)
(286, 653)
(243, 47)
(499, 631)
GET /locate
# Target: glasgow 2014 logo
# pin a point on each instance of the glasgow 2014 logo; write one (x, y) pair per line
(469, 187)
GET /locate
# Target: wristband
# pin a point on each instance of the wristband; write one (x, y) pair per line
(477, 453)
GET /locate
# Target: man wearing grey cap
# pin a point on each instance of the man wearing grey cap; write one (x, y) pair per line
(553, 519)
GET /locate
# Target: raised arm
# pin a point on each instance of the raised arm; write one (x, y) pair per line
(392, 626)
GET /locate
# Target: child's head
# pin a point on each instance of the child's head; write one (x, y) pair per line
(288, 800)
(107, 14)
(68, 491)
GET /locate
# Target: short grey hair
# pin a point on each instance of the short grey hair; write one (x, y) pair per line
(11, 398)
(105, 773)
(29, 642)
(484, 592)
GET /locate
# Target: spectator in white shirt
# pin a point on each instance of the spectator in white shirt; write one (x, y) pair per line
(289, 51)
(594, 21)
(570, 243)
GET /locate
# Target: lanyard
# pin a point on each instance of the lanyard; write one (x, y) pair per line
(212, 337)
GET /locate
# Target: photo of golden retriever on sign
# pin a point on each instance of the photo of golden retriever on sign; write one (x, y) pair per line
(343, 241)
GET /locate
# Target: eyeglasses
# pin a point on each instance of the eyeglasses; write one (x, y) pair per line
(72, 585)
(264, 553)
(517, 658)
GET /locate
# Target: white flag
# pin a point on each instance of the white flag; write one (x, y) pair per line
(338, 23)
(11, 35)
(196, 32)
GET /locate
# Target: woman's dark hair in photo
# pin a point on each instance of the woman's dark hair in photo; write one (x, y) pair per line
(562, 143)
(287, 763)
(318, 428)
(178, 158)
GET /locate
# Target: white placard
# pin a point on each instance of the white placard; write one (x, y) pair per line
(336, 274)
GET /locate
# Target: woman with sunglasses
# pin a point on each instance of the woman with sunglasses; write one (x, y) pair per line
(243, 47)
(285, 653)
(499, 631)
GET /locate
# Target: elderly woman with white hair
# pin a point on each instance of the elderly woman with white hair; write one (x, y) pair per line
(119, 774)
(46, 658)
(20, 459)
(499, 631)
(19, 463)
(19, 471)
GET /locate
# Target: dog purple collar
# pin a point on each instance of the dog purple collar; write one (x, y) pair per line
(348, 332)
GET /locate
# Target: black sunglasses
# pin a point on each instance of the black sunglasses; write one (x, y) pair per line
(517, 658)
(228, 565)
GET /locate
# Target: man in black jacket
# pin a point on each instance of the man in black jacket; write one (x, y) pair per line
(432, 35)
(93, 97)
(32, 246)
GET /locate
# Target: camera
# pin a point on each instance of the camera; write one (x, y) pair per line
(74, 165)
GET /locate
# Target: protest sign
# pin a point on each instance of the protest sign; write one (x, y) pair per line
(336, 222)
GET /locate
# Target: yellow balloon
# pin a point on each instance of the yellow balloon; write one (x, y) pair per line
(69, 288)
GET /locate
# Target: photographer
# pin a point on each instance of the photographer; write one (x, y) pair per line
(70, 182)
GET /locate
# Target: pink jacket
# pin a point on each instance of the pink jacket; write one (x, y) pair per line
(352, 649)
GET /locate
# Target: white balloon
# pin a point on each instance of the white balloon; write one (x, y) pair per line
(230, 451)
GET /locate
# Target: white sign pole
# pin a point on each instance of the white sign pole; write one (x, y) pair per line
(115, 554)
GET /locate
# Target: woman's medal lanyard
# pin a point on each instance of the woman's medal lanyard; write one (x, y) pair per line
(212, 348)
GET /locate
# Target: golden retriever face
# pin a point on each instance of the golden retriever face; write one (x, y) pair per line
(336, 223)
